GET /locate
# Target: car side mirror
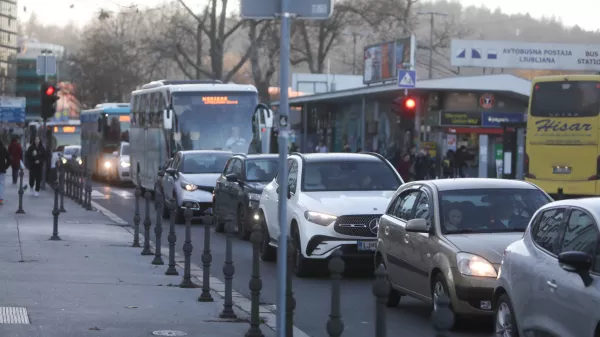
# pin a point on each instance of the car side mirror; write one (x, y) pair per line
(417, 226)
(577, 262)
(171, 171)
(232, 178)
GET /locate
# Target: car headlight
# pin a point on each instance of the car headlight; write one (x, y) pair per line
(125, 164)
(254, 196)
(79, 161)
(319, 218)
(107, 164)
(188, 187)
(63, 160)
(474, 265)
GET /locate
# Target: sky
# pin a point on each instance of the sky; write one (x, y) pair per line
(577, 12)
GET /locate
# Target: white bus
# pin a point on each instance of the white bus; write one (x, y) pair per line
(170, 116)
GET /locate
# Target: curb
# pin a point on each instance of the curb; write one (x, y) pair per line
(267, 312)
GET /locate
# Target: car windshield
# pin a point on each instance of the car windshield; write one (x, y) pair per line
(125, 149)
(261, 169)
(489, 210)
(71, 151)
(349, 176)
(198, 163)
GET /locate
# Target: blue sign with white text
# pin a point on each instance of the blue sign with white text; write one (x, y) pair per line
(495, 119)
(12, 114)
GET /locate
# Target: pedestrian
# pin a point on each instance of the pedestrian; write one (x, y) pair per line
(403, 166)
(35, 158)
(448, 164)
(4, 165)
(421, 165)
(460, 160)
(322, 148)
(347, 148)
(16, 156)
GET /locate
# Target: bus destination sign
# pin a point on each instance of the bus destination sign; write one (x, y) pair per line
(65, 129)
(218, 100)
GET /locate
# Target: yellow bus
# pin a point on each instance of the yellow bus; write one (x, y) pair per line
(562, 148)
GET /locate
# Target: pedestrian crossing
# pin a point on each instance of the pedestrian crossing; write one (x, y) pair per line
(109, 193)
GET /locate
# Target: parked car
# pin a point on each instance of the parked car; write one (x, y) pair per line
(447, 237)
(334, 201)
(238, 190)
(549, 282)
(190, 180)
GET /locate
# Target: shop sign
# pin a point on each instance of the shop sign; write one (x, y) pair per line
(495, 119)
(487, 101)
(452, 118)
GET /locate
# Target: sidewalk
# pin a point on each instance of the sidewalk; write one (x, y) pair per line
(92, 283)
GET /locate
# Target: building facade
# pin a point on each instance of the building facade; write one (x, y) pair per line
(8, 46)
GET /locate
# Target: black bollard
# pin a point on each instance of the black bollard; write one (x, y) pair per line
(78, 185)
(159, 203)
(68, 182)
(255, 284)
(228, 271)
(61, 186)
(172, 238)
(335, 325)
(88, 192)
(55, 213)
(290, 301)
(186, 281)
(136, 216)
(205, 296)
(443, 318)
(381, 290)
(21, 192)
(81, 185)
(147, 225)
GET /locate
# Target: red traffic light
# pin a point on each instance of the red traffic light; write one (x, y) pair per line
(50, 90)
(410, 103)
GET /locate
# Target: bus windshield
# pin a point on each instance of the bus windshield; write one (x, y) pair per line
(117, 130)
(566, 99)
(213, 120)
(65, 135)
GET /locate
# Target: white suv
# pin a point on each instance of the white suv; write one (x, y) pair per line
(335, 201)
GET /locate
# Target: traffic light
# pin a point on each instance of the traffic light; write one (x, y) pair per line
(407, 106)
(48, 98)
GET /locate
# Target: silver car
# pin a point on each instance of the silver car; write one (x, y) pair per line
(549, 281)
(190, 180)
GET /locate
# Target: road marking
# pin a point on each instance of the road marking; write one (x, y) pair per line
(98, 195)
(267, 312)
(122, 193)
(14, 315)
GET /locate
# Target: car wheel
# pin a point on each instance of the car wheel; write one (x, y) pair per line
(267, 253)
(301, 265)
(394, 296)
(439, 288)
(505, 324)
(242, 232)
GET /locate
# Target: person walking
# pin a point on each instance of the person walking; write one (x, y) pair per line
(4, 165)
(35, 157)
(16, 156)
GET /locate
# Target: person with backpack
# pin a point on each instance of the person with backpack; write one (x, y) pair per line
(16, 155)
(35, 156)
(4, 165)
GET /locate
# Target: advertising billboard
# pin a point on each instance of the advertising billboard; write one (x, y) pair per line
(383, 60)
(525, 55)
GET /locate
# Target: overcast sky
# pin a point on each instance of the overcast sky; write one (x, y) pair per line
(577, 12)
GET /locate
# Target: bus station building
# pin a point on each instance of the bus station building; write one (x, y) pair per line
(451, 112)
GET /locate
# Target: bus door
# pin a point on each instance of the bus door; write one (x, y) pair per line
(263, 126)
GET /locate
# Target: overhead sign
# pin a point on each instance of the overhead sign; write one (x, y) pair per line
(453, 118)
(12, 109)
(525, 55)
(407, 79)
(490, 119)
(268, 9)
(383, 61)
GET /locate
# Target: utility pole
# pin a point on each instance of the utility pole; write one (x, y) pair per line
(355, 36)
(432, 16)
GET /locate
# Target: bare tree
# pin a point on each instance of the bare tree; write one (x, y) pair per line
(264, 55)
(111, 60)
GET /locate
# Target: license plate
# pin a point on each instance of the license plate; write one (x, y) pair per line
(561, 170)
(367, 245)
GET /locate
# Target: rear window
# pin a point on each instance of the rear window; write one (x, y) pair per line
(200, 163)
(489, 210)
(566, 99)
(349, 176)
(261, 169)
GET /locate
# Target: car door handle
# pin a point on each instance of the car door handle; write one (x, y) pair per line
(406, 238)
(386, 230)
(551, 284)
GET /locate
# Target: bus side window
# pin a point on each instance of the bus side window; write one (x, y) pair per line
(135, 109)
(161, 108)
(142, 110)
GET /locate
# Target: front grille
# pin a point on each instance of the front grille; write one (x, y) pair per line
(356, 225)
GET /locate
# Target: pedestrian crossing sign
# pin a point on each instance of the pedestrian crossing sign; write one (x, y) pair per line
(407, 79)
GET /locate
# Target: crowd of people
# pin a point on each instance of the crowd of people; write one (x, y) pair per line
(13, 157)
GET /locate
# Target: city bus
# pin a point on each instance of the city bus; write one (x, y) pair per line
(170, 116)
(562, 147)
(103, 128)
(58, 133)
